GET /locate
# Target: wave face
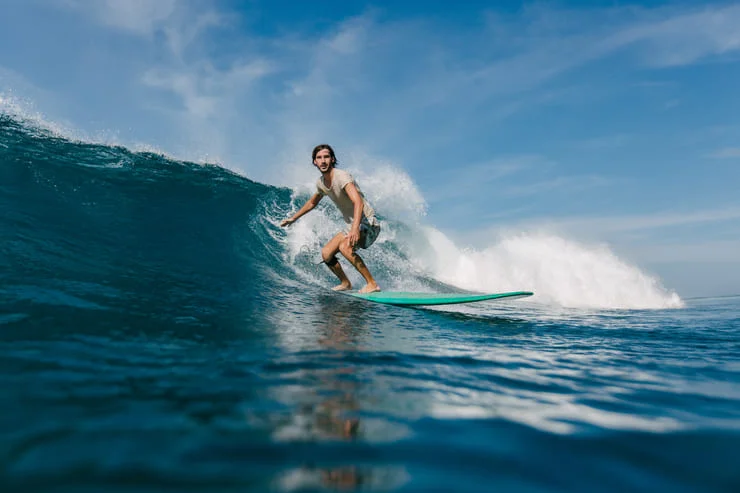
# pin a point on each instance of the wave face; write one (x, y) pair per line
(104, 228)
(141, 227)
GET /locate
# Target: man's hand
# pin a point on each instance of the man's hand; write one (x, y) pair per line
(353, 237)
(287, 222)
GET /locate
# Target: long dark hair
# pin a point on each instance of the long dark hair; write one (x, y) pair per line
(321, 147)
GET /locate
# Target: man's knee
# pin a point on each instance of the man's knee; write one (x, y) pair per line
(346, 250)
(327, 254)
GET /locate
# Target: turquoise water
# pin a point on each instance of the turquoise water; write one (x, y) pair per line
(154, 338)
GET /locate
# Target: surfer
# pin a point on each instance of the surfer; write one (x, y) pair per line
(364, 228)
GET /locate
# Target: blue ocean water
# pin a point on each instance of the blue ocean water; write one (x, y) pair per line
(159, 332)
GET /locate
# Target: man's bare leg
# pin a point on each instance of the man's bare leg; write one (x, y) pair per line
(329, 254)
(358, 264)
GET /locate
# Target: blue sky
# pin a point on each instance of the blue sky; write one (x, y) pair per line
(610, 121)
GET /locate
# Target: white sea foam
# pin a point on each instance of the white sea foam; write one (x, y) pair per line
(23, 109)
(559, 270)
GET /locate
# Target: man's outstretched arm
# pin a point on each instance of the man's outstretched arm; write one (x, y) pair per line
(307, 207)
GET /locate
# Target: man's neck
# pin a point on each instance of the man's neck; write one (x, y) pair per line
(328, 176)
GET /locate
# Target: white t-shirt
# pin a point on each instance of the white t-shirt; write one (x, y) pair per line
(339, 196)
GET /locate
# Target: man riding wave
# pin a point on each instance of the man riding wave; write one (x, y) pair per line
(364, 228)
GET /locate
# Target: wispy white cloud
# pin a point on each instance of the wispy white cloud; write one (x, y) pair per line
(684, 37)
(472, 180)
(541, 45)
(201, 91)
(140, 17)
(655, 84)
(716, 251)
(205, 90)
(180, 23)
(545, 42)
(569, 184)
(726, 153)
(184, 28)
(351, 38)
(602, 142)
(605, 225)
(672, 103)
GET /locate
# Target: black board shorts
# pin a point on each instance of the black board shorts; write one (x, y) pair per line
(368, 233)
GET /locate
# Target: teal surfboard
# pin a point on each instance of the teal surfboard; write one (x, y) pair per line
(423, 299)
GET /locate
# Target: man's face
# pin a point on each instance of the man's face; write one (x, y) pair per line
(323, 160)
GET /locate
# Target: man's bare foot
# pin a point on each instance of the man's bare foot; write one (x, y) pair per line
(370, 288)
(345, 286)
